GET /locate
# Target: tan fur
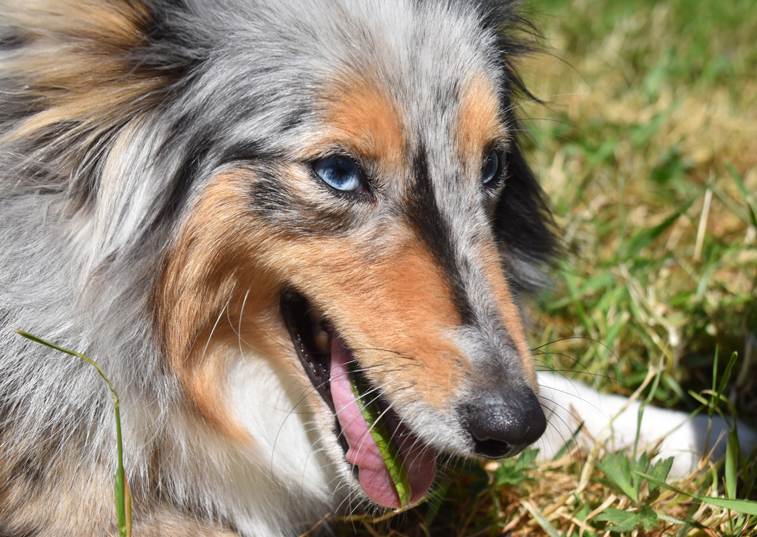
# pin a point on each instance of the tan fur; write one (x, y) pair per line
(29, 487)
(363, 118)
(478, 122)
(396, 315)
(98, 85)
(210, 258)
(409, 313)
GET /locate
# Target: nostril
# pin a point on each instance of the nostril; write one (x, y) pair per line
(491, 449)
(502, 425)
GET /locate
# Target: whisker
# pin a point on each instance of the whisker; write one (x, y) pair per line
(212, 331)
(569, 338)
(542, 99)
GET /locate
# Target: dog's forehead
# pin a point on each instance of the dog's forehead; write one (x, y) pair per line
(385, 121)
(427, 83)
(431, 70)
(371, 68)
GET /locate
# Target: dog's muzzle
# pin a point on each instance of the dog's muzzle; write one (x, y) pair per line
(499, 419)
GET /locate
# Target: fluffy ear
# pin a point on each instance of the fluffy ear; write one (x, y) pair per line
(74, 75)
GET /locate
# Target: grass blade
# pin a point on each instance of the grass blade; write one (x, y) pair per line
(121, 487)
(740, 506)
(541, 519)
(731, 463)
(644, 238)
(382, 437)
(748, 198)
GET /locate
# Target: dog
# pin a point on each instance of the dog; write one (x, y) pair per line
(260, 216)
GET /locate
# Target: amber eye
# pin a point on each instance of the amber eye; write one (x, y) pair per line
(340, 173)
(491, 169)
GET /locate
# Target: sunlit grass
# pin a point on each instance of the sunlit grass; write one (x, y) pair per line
(653, 183)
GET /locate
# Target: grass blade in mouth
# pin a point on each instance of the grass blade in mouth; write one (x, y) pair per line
(380, 433)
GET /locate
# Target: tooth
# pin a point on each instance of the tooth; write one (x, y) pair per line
(322, 340)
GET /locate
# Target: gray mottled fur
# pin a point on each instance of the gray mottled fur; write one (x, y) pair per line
(87, 211)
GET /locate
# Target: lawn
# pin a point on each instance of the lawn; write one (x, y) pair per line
(646, 142)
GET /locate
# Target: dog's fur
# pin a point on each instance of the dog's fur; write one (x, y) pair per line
(162, 210)
(160, 202)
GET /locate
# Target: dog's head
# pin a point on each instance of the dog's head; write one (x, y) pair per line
(372, 219)
(332, 188)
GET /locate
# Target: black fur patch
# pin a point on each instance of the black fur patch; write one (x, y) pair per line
(523, 217)
(425, 217)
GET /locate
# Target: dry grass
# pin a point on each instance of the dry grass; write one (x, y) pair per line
(643, 135)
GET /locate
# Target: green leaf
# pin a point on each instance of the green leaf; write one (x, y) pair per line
(123, 503)
(748, 198)
(731, 463)
(727, 373)
(118, 490)
(740, 506)
(648, 518)
(617, 468)
(603, 280)
(604, 153)
(542, 520)
(629, 521)
(511, 471)
(383, 439)
(660, 471)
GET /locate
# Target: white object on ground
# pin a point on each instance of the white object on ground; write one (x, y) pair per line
(568, 403)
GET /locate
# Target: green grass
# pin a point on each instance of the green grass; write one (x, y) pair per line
(648, 149)
(122, 497)
(629, 159)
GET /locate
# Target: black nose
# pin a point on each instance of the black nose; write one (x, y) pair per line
(504, 424)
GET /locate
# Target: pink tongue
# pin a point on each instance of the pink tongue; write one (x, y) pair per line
(419, 461)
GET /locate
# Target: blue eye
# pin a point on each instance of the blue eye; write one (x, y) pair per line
(341, 173)
(492, 169)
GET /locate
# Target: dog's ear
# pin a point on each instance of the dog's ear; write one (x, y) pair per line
(523, 220)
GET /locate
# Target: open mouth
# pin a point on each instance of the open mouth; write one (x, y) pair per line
(394, 467)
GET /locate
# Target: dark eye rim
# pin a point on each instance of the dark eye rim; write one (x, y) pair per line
(365, 192)
(498, 176)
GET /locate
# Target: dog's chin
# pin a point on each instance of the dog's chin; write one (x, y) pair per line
(329, 363)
